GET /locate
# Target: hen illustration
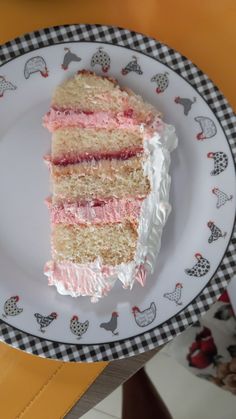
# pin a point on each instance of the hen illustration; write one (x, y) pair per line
(201, 268)
(10, 307)
(216, 232)
(162, 81)
(175, 295)
(5, 85)
(186, 103)
(68, 58)
(145, 317)
(101, 58)
(111, 326)
(207, 126)
(44, 321)
(222, 197)
(34, 65)
(132, 66)
(220, 162)
(77, 327)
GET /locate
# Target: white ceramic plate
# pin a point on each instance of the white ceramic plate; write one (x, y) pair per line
(199, 228)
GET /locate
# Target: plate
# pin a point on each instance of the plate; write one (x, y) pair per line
(197, 254)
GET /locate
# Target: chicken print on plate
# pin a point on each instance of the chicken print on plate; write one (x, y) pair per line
(145, 317)
(132, 66)
(111, 325)
(69, 57)
(216, 232)
(11, 308)
(5, 85)
(220, 162)
(35, 65)
(45, 321)
(186, 103)
(162, 82)
(175, 295)
(78, 328)
(101, 58)
(200, 268)
(208, 128)
(222, 197)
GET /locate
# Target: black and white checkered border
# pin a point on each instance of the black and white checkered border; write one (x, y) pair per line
(224, 113)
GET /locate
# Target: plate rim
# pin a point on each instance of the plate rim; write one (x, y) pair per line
(162, 333)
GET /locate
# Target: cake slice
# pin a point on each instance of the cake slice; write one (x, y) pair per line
(109, 168)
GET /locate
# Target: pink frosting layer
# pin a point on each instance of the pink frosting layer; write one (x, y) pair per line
(76, 280)
(100, 212)
(60, 118)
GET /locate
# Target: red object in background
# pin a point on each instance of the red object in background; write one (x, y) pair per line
(224, 297)
(203, 351)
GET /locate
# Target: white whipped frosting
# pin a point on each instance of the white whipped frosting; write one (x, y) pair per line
(155, 208)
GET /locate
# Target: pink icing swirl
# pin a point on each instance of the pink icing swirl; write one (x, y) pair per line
(141, 274)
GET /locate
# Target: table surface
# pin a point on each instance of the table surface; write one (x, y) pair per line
(115, 374)
(205, 32)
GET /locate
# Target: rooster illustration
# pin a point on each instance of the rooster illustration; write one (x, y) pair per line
(207, 126)
(35, 65)
(145, 317)
(10, 307)
(45, 321)
(101, 58)
(162, 82)
(222, 197)
(112, 324)
(201, 268)
(5, 85)
(186, 103)
(175, 295)
(132, 66)
(68, 58)
(220, 162)
(216, 232)
(77, 327)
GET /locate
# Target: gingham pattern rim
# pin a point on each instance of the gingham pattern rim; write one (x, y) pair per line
(218, 104)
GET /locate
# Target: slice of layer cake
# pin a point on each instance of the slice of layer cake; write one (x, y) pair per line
(109, 167)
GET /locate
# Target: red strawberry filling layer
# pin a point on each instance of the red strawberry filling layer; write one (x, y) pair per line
(74, 158)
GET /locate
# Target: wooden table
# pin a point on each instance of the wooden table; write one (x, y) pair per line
(115, 374)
